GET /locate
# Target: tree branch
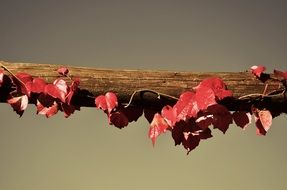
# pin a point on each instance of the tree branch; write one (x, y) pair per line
(125, 83)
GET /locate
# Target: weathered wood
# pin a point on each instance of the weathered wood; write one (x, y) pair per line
(124, 82)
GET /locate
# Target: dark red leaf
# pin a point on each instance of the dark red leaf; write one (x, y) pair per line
(132, 113)
(280, 74)
(177, 133)
(63, 71)
(19, 104)
(68, 109)
(204, 121)
(205, 134)
(190, 142)
(157, 127)
(242, 119)
(257, 70)
(222, 118)
(118, 119)
(149, 114)
(46, 100)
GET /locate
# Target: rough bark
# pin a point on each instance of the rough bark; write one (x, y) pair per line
(124, 82)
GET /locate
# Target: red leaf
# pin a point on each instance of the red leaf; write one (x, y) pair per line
(46, 100)
(204, 97)
(218, 87)
(72, 90)
(24, 77)
(19, 104)
(169, 114)
(132, 113)
(280, 74)
(259, 127)
(222, 118)
(23, 83)
(38, 85)
(204, 121)
(1, 76)
(107, 102)
(48, 111)
(191, 142)
(265, 118)
(61, 85)
(118, 119)
(186, 107)
(205, 134)
(63, 71)
(68, 109)
(257, 70)
(55, 92)
(157, 127)
(242, 119)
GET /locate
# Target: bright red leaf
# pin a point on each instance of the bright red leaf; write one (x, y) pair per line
(186, 107)
(204, 97)
(107, 102)
(257, 70)
(157, 127)
(169, 114)
(217, 85)
(38, 85)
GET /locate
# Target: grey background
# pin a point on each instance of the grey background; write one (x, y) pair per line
(83, 152)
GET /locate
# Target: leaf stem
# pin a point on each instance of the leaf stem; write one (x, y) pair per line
(149, 90)
(270, 95)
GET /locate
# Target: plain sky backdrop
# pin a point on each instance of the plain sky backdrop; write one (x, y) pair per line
(84, 152)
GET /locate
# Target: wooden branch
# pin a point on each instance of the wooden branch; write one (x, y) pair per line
(124, 82)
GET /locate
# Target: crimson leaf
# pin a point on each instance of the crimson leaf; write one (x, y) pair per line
(19, 104)
(257, 70)
(157, 127)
